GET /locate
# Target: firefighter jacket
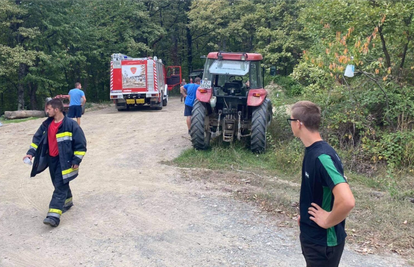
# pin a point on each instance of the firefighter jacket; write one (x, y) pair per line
(71, 145)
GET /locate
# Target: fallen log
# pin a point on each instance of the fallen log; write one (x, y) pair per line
(20, 114)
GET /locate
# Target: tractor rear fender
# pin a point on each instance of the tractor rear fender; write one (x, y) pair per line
(204, 95)
(256, 97)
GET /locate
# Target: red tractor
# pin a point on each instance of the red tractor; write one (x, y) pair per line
(231, 101)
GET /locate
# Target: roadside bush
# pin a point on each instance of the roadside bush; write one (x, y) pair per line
(288, 150)
(279, 129)
(291, 87)
(396, 149)
(268, 79)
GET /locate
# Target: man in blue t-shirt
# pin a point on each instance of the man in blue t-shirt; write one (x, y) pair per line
(77, 100)
(325, 196)
(189, 95)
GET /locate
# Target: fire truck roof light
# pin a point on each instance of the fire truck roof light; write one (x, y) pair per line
(256, 94)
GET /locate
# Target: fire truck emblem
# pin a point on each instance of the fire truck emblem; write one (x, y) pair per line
(133, 76)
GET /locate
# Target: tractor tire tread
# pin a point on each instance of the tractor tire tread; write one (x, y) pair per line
(259, 125)
(197, 126)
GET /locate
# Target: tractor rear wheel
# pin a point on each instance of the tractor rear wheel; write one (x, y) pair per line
(199, 136)
(260, 121)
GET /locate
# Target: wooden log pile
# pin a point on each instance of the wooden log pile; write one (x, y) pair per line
(20, 114)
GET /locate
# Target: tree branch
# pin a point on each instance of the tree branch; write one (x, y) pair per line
(384, 48)
(408, 41)
(385, 94)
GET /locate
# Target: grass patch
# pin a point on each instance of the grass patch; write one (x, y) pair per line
(382, 220)
(227, 156)
(6, 121)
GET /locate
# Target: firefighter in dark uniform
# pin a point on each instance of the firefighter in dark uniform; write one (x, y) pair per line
(59, 144)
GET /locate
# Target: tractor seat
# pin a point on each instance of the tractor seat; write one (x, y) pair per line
(235, 85)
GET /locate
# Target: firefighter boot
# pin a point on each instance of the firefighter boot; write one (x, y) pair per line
(52, 221)
(67, 207)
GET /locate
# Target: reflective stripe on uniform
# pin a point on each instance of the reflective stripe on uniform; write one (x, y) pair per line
(69, 173)
(64, 136)
(80, 154)
(54, 213)
(68, 200)
(33, 145)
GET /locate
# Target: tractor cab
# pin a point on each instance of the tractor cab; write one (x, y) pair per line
(231, 101)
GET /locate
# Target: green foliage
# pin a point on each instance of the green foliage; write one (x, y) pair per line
(267, 27)
(371, 109)
(397, 148)
(289, 85)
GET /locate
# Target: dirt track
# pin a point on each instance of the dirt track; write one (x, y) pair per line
(132, 210)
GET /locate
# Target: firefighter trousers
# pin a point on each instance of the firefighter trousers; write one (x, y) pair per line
(62, 195)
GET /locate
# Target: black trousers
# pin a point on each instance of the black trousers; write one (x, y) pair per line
(321, 256)
(62, 190)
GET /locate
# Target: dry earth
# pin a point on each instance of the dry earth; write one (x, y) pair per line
(132, 210)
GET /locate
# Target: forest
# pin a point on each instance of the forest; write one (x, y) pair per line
(48, 45)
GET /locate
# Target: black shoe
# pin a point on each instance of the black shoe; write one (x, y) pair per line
(52, 221)
(67, 207)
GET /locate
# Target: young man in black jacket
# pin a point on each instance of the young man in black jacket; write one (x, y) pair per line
(325, 196)
(59, 144)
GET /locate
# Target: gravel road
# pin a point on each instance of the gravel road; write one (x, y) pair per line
(132, 210)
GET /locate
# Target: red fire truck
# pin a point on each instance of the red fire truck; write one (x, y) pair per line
(141, 81)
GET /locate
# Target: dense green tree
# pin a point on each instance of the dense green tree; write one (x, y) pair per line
(16, 54)
(375, 37)
(265, 26)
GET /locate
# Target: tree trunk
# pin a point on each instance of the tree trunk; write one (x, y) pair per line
(20, 87)
(384, 48)
(407, 22)
(20, 114)
(189, 41)
(33, 100)
(189, 49)
(2, 103)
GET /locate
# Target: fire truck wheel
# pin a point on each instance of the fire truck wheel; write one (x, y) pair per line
(260, 120)
(199, 136)
(159, 106)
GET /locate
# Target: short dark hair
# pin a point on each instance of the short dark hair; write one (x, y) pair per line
(55, 103)
(308, 113)
(197, 79)
(77, 84)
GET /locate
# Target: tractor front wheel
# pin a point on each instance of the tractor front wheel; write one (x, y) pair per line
(260, 120)
(199, 136)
